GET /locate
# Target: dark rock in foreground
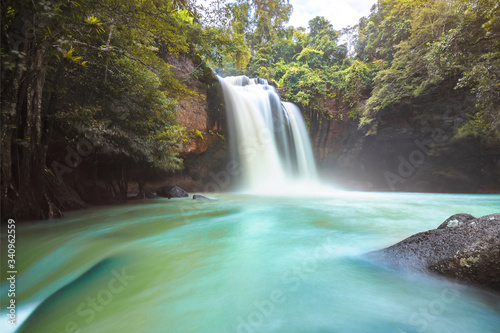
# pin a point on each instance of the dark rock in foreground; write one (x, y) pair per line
(201, 197)
(171, 191)
(463, 248)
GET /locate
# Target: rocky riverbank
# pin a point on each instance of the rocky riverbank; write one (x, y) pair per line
(463, 248)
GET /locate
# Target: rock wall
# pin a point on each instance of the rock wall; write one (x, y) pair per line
(407, 149)
(203, 114)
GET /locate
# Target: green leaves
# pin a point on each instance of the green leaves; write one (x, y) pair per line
(320, 72)
(185, 16)
(312, 57)
(69, 55)
(94, 24)
(124, 96)
(451, 45)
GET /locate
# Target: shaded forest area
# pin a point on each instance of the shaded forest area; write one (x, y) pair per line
(90, 83)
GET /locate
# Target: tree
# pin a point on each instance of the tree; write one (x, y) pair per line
(452, 45)
(388, 24)
(109, 54)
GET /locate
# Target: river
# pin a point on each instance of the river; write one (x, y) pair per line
(243, 263)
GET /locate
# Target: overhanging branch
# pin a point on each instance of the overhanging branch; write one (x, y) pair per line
(114, 49)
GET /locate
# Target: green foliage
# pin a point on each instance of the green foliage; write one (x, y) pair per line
(305, 86)
(404, 50)
(255, 33)
(135, 121)
(94, 24)
(353, 84)
(321, 71)
(451, 45)
(98, 69)
(106, 75)
(312, 57)
(196, 134)
(478, 126)
(220, 135)
(387, 26)
(121, 101)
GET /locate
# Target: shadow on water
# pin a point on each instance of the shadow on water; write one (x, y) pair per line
(71, 303)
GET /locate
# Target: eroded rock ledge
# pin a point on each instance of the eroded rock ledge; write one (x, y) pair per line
(463, 247)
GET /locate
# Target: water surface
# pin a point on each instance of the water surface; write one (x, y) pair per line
(244, 264)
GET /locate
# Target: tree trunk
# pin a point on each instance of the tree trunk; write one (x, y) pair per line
(12, 104)
(142, 186)
(122, 185)
(31, 187)
(7, 179)
(33, 161)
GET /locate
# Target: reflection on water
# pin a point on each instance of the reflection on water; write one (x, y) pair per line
(243, 264)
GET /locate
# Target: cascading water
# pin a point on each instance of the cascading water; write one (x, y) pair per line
(269, 138)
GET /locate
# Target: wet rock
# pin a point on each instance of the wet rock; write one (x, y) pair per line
(488, 218)
(407, 148)
(151, 195)
(201, 197)
(463, 248)
(456, 220)
(172, 191)
(245, 80)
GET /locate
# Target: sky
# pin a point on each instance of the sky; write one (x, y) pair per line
(340, 13)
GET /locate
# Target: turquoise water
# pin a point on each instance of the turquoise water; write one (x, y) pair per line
(243, 264)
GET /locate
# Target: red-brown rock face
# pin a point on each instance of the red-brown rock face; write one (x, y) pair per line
(193, 111)
(202, 115)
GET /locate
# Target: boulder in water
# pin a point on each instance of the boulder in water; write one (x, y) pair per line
(172, 191)
(463, 248)
(201, 197)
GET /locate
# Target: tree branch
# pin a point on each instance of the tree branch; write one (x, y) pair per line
(109, 48)
(484, 39)
(109, 36)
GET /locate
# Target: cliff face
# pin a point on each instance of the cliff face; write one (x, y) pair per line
(408, 149)
(203, 115)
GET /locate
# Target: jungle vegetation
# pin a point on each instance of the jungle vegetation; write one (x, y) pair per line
(92, 79)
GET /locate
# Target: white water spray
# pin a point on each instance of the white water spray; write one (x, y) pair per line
(269, 138)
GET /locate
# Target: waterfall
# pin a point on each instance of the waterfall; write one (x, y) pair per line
(269, 139)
